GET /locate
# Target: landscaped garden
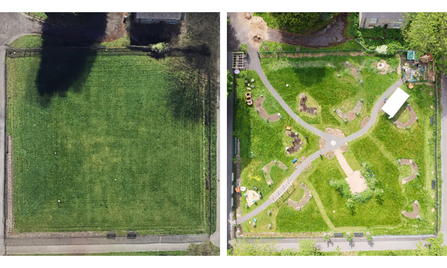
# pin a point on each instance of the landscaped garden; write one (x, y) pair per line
(395, 157)
(123, 147)
(333, 82)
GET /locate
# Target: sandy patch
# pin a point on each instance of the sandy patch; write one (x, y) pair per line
(251, 197)
(365, 121)
(350, 115)
(335, 131)
(356, 181)
(267, 168)
(415, 212)
(304, 200)
(410, 121)
(413, 165)
(382, 66)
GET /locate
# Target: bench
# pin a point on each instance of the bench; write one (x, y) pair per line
(131, 235)
(111, 235)
(431, 120)
(433, 184)
(338, 234)
(358, 234)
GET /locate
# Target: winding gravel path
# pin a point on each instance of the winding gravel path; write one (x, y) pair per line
(255, 64)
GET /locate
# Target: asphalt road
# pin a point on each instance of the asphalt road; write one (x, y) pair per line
(230, 145)
(358, 244)
(444, 157)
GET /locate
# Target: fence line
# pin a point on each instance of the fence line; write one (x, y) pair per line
(436, 156)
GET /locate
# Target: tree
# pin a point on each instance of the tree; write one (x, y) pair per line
(338, 251)
(349, 237)
(350, 204)
(160, 47)
(426, 32)
(435, 247)
(229, 83)
(309, 248)
(296, 22)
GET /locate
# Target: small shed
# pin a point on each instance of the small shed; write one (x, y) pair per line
(158, 17)
(394, 103)
(411, 55)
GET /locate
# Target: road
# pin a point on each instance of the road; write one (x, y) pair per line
(230, 146)
(358, 244)
(444, 157)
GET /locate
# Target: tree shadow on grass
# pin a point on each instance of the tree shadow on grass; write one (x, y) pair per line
(310, 76)
(67, 64)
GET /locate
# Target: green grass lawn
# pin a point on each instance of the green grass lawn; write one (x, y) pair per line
(36, 40)
(330, 84)
(38, 15)
(274, 46)
(263, 141)
(122, 150)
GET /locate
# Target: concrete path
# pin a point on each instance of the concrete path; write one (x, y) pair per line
(2, 147)
(86, 249)
(358, 244)
(444, 157)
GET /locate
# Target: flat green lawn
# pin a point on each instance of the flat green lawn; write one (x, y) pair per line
(119, 150)
(331, 84)
(36, 40)
(262, 141)
(273, 46)
(38, 15)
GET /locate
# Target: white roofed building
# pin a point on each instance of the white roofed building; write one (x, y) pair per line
(395, 102)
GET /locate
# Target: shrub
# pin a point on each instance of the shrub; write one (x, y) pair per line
(342, 186)
(382, 50)
(160, 47)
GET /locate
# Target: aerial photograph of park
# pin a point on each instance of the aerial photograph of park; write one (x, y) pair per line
(110, 133)
(334, 133)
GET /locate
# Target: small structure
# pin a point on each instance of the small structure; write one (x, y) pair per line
(381, 19)
(411, 55)
(394, 103)
(158, 17)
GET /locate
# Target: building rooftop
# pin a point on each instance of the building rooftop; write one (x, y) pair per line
(159, 15)
(382, 15)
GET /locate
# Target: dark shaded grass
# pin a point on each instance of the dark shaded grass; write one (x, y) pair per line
(118, 127)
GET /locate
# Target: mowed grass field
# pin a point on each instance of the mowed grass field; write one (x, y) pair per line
(119, 152)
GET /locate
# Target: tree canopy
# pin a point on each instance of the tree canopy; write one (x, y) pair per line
(434, 248)
(296, 22)
(229, 83)
(426, 32)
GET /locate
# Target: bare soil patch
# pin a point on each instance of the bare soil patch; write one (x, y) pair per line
(356, 181)
(296, 144)
(335, 131)
(350, 115)
(365, 121)
(312, 55)
(263, 113)
(303, 201)
(304, 108)
(410, 121)
(415, 212)
(329, 155)
(382, 66)
(251, 197)
(413, 165)
(322, 143)
(267, 168)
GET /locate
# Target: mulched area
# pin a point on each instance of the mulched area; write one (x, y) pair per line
(350, 115)
(410, 121)
(415, 212)
(251, 197)
(304, 200)
(322, 143)
(365, 121)
(267, 168)
(335, 131)
(382, 66)
(329, 155)
(297, 142)
(301, 160)
(413, 165)
(312, 55)
(304, 108)
(263, 113)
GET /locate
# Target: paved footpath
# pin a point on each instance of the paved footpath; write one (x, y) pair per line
(358, 244)
(86, 249)
(444, 157)
(2, 148)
